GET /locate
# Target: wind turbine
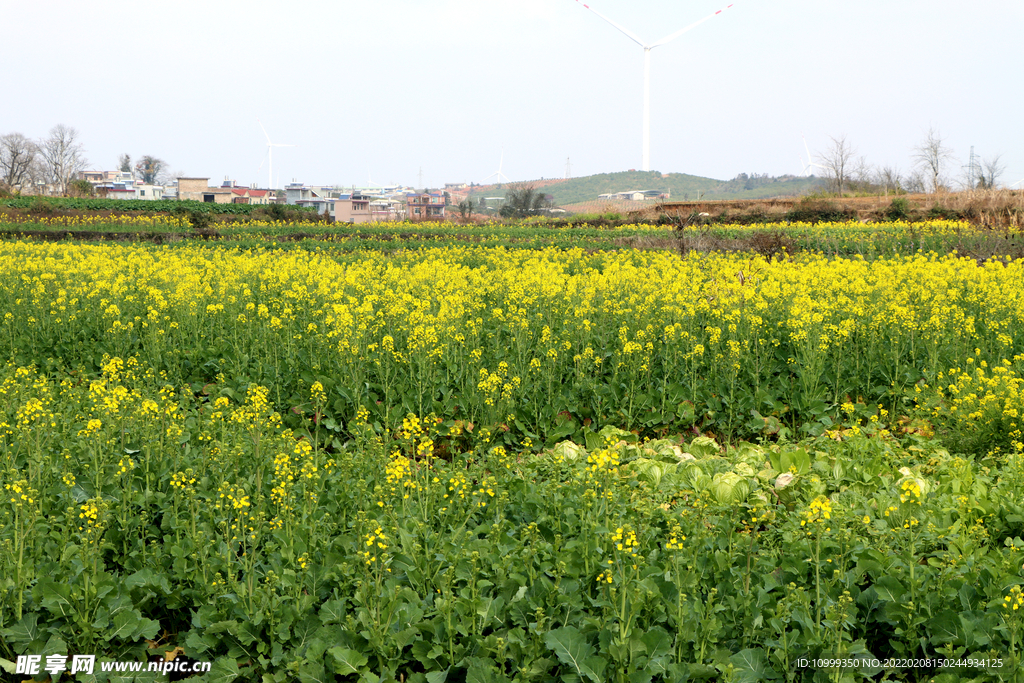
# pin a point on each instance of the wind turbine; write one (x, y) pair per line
(810, 160)
(647, 69)
(270, 156)
(1018, 183)
(499, 174)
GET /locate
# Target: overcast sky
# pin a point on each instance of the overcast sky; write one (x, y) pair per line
(378, 90)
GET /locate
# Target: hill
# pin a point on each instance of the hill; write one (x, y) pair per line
(678, 186)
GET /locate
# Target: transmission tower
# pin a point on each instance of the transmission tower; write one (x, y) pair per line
(972, 167)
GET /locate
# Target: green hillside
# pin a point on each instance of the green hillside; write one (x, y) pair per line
(679, 186)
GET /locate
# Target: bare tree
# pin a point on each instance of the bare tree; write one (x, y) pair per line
(837, 163)
(932, 156)
(991, 171)
(62, 154)
(168, 176)
(17, 157)
(861, 176)
(914, 182)
(890, 179)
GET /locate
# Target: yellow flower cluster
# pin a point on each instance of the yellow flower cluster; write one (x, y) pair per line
(675, 539)
(1015, 600)
(458, 486)
(125, 465)
(411, 427)
(232, 497)
(425, 449)
(317, 395)
(494, 385)
(20, 493)
(625, 541)
(376, 543)
(818, 512)
(485, 491)
(989, 398)
(604, 460)
(398, 474)
(910, 491)
(91, 513)
(33, 412)
(184, 482)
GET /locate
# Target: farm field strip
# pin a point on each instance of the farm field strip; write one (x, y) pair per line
(645, 341)
(870, 240)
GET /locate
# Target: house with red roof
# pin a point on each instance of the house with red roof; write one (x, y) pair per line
(198, 189)
(242, 195)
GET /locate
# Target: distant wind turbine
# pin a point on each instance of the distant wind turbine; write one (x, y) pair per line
(499, 174)
(270, 156)
(810, 160)
(1018, 183)
(647, 69)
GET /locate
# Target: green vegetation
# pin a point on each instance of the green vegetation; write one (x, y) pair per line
(397, 453)
(680, 186)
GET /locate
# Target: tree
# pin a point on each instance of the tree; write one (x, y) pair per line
(991, 171)
(890, 178)
(836, 162)
(81, 188)
(149, 168)
(914, 182)
(62, 156)
(861, 176)
(465, 208)
(124, 163)
(522, 200)
(931, 157)
(18, 155)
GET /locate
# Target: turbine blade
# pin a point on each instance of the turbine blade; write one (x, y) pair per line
(264, 130)
(632, 36)
(695, 24)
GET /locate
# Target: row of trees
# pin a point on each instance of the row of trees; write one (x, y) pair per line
(54, 160)
(845, 171)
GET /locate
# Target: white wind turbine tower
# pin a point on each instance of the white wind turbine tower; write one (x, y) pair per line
(647, 69)
(270, 156)
(499, 174)
(810, 160)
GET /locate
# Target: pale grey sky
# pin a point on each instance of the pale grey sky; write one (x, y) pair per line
(377, 90)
